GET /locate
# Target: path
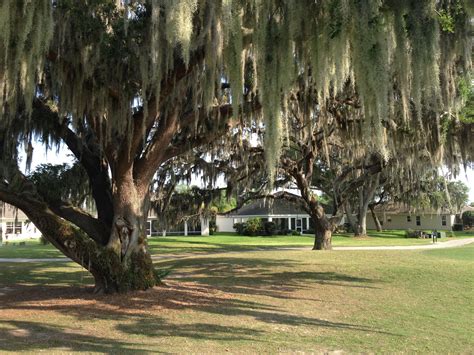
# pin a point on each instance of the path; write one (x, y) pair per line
(440, 245)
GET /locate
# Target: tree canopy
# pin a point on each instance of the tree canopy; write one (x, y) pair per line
(132, 85)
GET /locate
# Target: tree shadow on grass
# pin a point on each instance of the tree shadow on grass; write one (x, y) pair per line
(209, 287)
(30, 336)
(42, 273)
(258, 276)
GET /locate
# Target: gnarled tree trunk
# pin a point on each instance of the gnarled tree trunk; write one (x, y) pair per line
(323, 234)
(122, 264)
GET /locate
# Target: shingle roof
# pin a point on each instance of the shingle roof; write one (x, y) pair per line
(271, 206)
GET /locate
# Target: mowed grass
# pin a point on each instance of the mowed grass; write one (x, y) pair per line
(256, 302)
(229, 241)
(232, 242)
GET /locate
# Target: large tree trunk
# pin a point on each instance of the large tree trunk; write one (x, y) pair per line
(122, 265)
(323, 240)
(378, 225)
(323, 232)
(361, 230)
(366, 194)
(127, 263)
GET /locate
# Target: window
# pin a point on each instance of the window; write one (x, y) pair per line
(443, 220)
(293, 224)
(389, 219)
(408, 218)
(18, 227)
(418, 220)
(9, 229)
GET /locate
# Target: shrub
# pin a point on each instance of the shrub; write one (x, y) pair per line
(410, 233)
(253, 226)
(239, 228)
(212, 227)
(450, 234)
(295, 233)
(458, 227)
(269, 228)
(347, 228)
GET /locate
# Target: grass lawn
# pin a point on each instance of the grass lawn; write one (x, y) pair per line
(231, 242)
(260, 302)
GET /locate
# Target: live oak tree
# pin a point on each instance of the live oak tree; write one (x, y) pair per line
(128, 85)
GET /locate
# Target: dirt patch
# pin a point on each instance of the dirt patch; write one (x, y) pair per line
(82, 303)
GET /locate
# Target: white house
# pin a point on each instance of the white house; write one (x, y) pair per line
(399, 216)
(15, 225)
(284, 213)
(196, 225)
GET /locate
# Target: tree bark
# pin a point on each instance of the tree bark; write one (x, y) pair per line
(323, 240)
(323, 234)
(366, 194)
(361, 230)
(378, 225)
(350, 218)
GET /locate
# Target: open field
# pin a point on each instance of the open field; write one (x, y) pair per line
(229, 241)
(259, 302)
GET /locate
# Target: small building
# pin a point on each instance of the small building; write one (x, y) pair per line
(286, 214)
(15, 225)
(400, 216)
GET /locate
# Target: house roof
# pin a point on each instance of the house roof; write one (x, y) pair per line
(278, 205)
(402, 208)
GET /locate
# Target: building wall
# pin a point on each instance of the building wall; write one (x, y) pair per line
(14, 224)
(225, 223)
(400, 221)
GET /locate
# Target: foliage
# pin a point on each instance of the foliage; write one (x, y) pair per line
(410, 233)
(437, 193)
(269, 228)
(223, 203)
(239, 228)
(132, 87)
(212, 227)
(134, 46)
(253, 226)
(62, 182)
(468, 219)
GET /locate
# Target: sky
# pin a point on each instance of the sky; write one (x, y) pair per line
(40, 156)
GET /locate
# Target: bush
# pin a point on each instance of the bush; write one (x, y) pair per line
(346, 228)
(269, 228)
(239, 228)
(295, 233)
(458, 227)
(44, 241)
(410, 233)
(253, 226)
(212, 227)
(450, 234)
